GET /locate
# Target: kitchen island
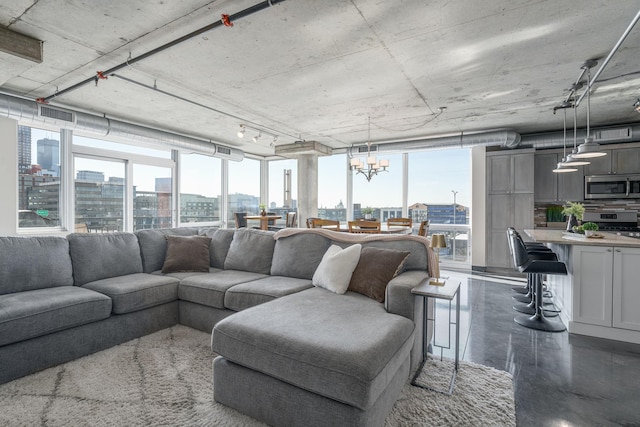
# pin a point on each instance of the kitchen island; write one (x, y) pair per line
(601, 294)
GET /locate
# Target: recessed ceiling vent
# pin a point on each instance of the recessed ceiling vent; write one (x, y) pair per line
(228, 153)
(56, 114)
(617, 134)
(364, 149)
(223, 150)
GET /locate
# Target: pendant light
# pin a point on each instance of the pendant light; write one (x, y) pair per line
(571, 159)
(562, 167)
(589, 148)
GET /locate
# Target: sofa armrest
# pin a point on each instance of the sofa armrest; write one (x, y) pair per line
(399, 299)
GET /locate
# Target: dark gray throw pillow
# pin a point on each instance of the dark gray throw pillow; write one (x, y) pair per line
(187, 254)
(375, 270)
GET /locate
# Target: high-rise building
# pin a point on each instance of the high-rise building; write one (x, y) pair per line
(92, 176)
(49, 156)
(24, 149)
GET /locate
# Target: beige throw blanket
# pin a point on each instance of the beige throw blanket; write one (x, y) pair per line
(340, 236)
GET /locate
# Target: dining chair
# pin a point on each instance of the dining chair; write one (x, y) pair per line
(360, 226)
(310, 221)
(241, 221)
(331, 224)
(424, 228)
(400, 222)
(291, 219)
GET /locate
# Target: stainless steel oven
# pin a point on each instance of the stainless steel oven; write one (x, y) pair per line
(612, 187)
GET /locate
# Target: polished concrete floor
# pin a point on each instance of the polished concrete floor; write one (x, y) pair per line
(560, 379)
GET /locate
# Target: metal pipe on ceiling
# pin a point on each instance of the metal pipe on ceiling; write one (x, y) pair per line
(238, 15)
(608, 58)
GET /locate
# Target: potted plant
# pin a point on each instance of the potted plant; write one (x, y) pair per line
(589, 228)
(262, 208)
(368, 211)
(573, 211)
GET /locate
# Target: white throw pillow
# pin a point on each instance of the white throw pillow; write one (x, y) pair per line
(335, 269)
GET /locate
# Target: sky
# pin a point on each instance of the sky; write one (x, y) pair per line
(433, 175)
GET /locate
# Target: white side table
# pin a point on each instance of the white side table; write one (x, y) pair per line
(448, 291)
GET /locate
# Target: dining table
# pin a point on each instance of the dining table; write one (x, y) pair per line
(264, 220)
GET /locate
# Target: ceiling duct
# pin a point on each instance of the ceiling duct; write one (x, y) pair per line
(25, 110)
(630, 133)
(503, 138)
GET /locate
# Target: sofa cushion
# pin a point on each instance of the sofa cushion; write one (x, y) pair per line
(184, 274)
(187, 253)
(336, 268)
(299, 255)
(418, 258)
(251, 250)
(220, 242)
(101, 256)
(28, 263)
(30, 314)
(245, 295)
(153, 245)
(375, 269)
(345, 347)
(209, 289)
(135, 292)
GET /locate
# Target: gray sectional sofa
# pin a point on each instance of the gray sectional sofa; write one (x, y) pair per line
(288, 353)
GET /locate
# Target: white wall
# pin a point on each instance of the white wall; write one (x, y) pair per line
(8, 176)
(479, 207)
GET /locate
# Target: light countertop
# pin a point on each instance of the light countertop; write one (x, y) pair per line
(563, 238)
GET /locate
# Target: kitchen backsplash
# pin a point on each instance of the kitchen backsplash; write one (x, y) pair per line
(540, 211)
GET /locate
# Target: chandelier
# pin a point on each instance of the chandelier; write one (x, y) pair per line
(371, 166)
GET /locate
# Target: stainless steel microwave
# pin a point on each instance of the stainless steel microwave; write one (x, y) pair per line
(612, 187)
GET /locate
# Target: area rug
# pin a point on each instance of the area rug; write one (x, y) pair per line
(165, 379)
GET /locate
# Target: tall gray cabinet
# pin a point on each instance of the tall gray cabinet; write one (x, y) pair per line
(510, 186)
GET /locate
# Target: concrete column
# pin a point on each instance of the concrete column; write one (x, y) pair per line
(307, 187)
(478, 208)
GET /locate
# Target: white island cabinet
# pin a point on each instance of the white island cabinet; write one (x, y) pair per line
(601, 295)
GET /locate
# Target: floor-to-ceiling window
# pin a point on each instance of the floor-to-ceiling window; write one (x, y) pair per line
(332, 187)
(283, 188)
(39, 167)
(439, 190)
(200, 189)
(244, 188)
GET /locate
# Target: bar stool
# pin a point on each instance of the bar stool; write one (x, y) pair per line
(531, 246)
(534, 268)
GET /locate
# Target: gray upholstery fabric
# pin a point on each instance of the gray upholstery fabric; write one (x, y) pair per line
(184, 274)
(220, 242)
(250, 250)
(100, 256)
(345, 347)
(399, 299)
(416, 261)
(136, 291)
(299, 255)
(209, 289)
(200, 316)
(25, 357)
(280, 404)
(153, 245)
(28, 263)
(30, 314)
(245, 295)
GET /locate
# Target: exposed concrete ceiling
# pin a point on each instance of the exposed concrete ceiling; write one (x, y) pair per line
(316, 70)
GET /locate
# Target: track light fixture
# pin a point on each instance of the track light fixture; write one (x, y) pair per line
(562, 165)
(636, 105)
(244, 127)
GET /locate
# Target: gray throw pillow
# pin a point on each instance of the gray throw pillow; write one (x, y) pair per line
(375, 270)
(187, 254)
(251, 250)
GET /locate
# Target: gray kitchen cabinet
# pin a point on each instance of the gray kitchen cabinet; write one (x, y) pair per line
(510, 182)
(626, 160)
(556, 187)
(600, 165)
